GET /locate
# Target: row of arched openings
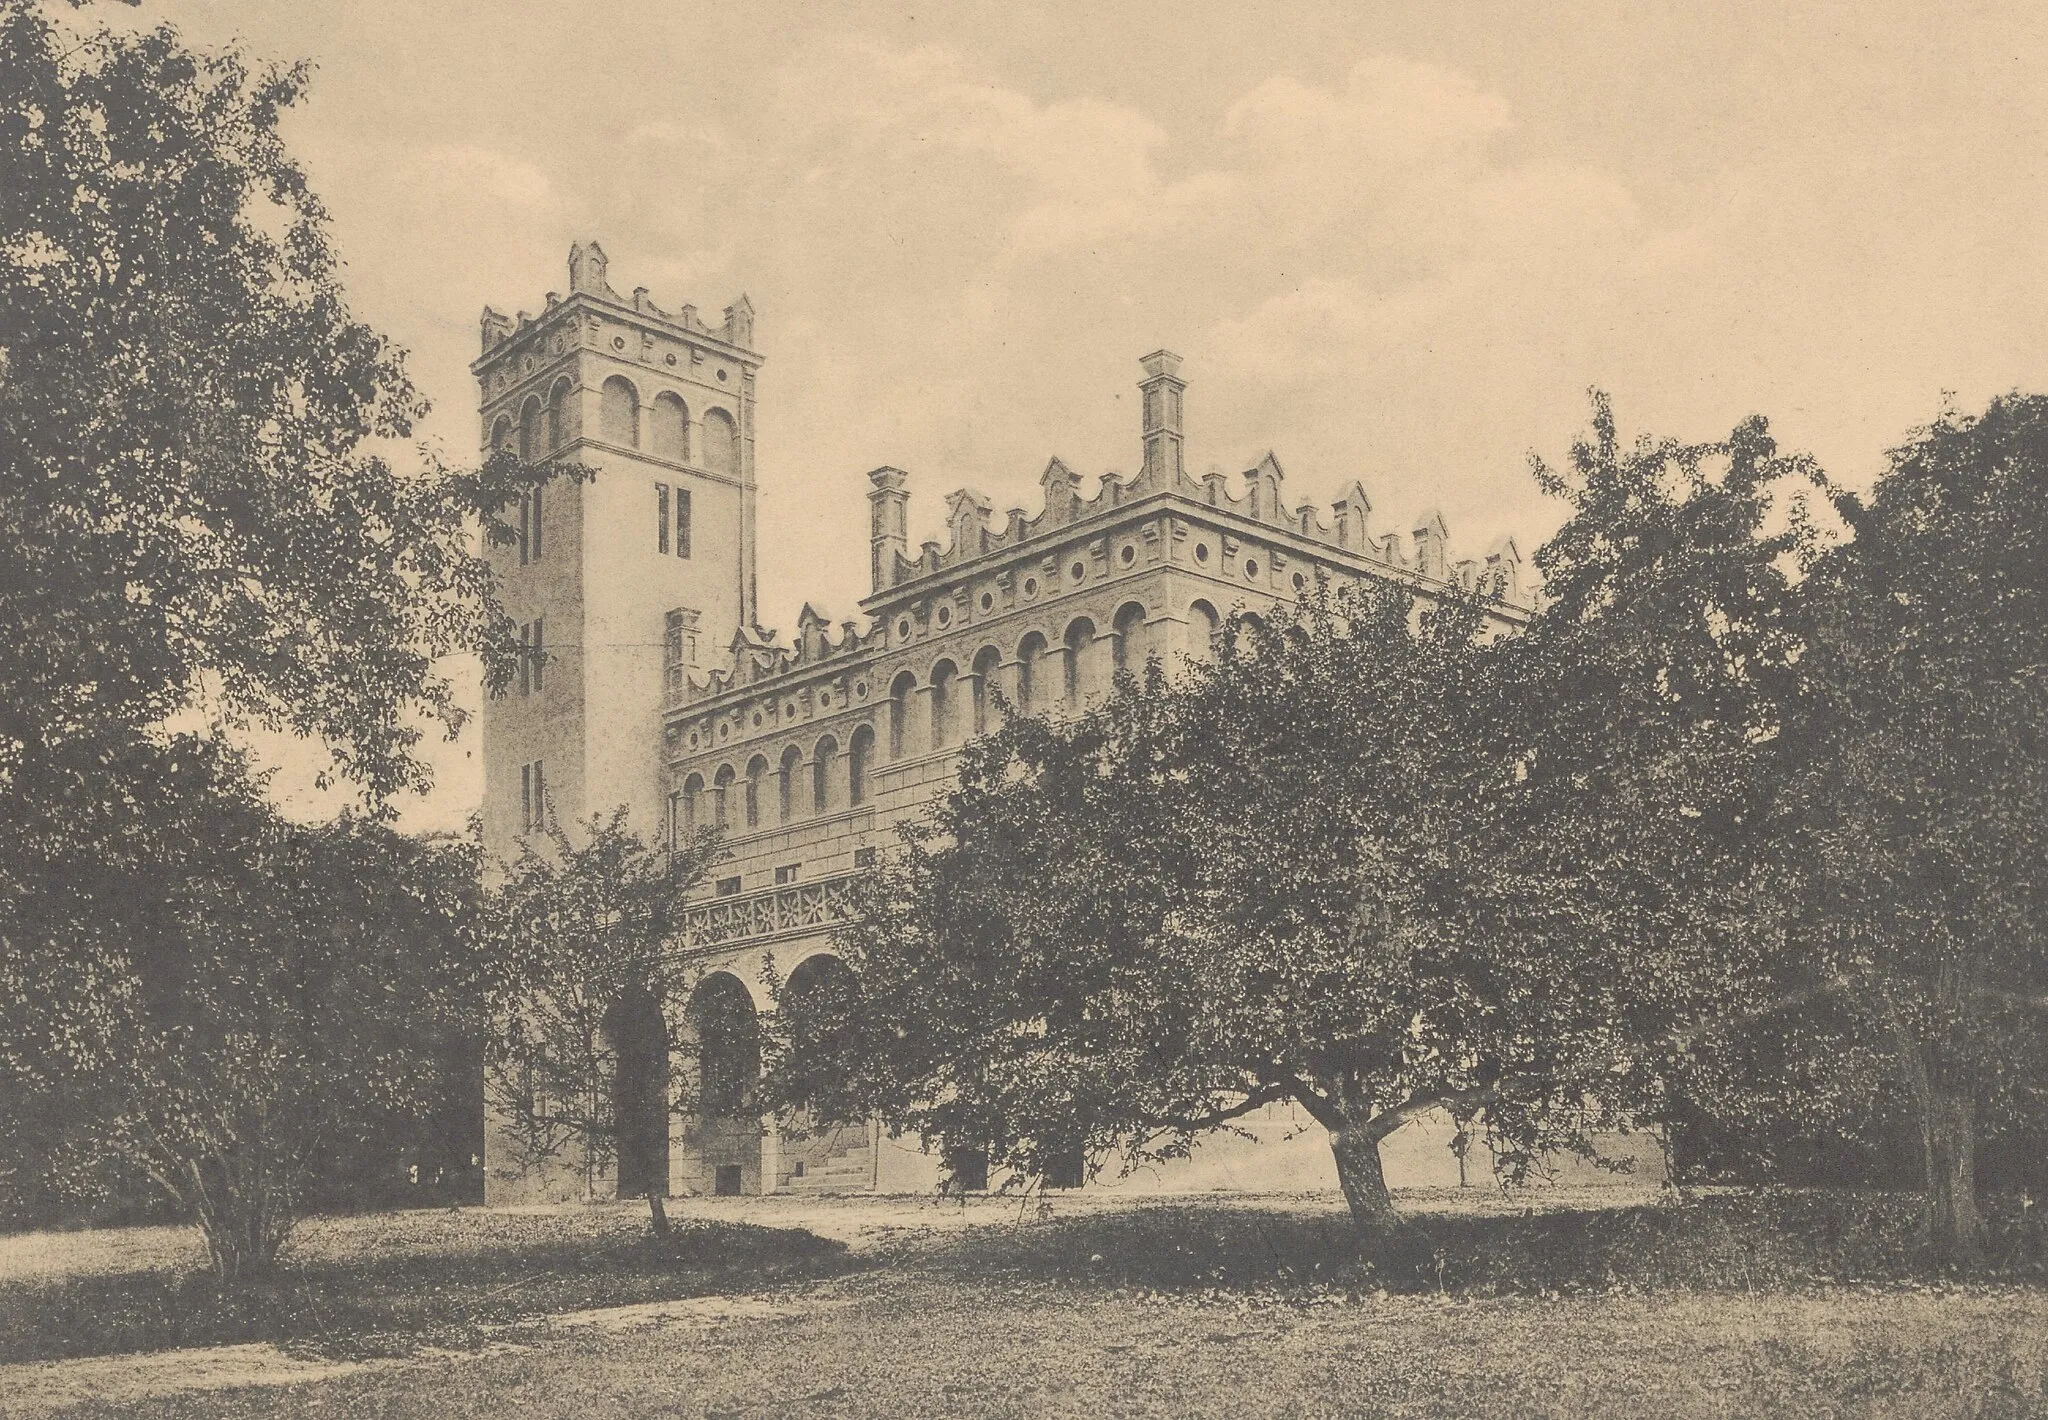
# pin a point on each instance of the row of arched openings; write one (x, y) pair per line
(723, 1046)
(663, 427)
(957, 707)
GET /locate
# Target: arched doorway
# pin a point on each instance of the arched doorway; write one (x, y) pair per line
(640, 1099)
(726, 1033)
(827, 1148)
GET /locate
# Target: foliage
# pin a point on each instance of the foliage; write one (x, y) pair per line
(1917, 786)
(203, 534)
(1264, 880)
(580, 969)
(285, 992)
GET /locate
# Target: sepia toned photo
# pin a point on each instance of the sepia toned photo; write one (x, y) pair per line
(1023, 710)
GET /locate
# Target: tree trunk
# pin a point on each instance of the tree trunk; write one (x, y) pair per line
(1357, 1150)
(657, 1215)
(1948, 1144)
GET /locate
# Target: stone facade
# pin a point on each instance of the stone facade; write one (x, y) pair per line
(810, 751)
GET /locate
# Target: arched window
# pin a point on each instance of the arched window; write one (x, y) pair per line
(721, 794)
(820, 1003)
(728, 1031)
(638, 1037)
(900, 691)
(1080, 637)
(530, 441)
(619, 412)
(693, 794)
(721, 442)
(859, 751)
(502, 438)
(1251, 634)
(986, 662)
(669, 427)
(1030, 655)
(1205, 629)
(558, 414)
(943, 675)
(1130, 638)
(785, 782)
(821, 773)
(757, 770)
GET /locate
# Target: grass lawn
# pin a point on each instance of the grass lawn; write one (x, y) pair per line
(1799, 1305)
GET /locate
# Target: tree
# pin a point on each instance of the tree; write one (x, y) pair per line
(201, 535)
(1266, 880)
(290, 989)
(1917, 783)
(577, 1066)
(1651, 692)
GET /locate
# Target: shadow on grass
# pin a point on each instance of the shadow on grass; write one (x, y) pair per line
(1747, 1242)
(380, 1301)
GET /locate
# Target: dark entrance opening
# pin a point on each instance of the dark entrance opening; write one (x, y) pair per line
(726, 1183)
(640, 1092)
(1065, 1169)
(966, 1171)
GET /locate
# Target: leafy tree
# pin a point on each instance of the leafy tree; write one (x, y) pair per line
(203, 533)
(1651, 691)
(1917, 784)
(290, 989)
(1268, 880)
(582, 973)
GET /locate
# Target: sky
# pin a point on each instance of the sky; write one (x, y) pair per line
(1395, 242)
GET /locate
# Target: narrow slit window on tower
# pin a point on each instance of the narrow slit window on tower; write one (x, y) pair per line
(533, 797)
(525, 529)
(661, 517)
(682, 522)
(540, 654)
(526, 658)
(533, 502)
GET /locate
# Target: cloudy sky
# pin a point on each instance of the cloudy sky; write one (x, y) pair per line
(1395, 241)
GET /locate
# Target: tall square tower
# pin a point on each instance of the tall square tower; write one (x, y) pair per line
(620, 584)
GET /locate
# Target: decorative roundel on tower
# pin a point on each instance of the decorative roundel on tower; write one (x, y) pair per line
(724, 730)
(1251, 568)
(757, 719)
(618, 342)
(902, 628)
(527, 364)
(1129, 554)
(789, 711)
(824, 700)
(1030, 588)
(693, 739)
(945, 616)
(1078, 571)
(860, 690)
(988, 601)
(1201, 552)
(671, 357)
(1300, 582)
(721, 376)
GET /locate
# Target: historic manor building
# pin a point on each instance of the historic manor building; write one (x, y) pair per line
(659, 690)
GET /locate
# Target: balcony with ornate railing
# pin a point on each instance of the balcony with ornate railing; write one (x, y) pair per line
(777, 914)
